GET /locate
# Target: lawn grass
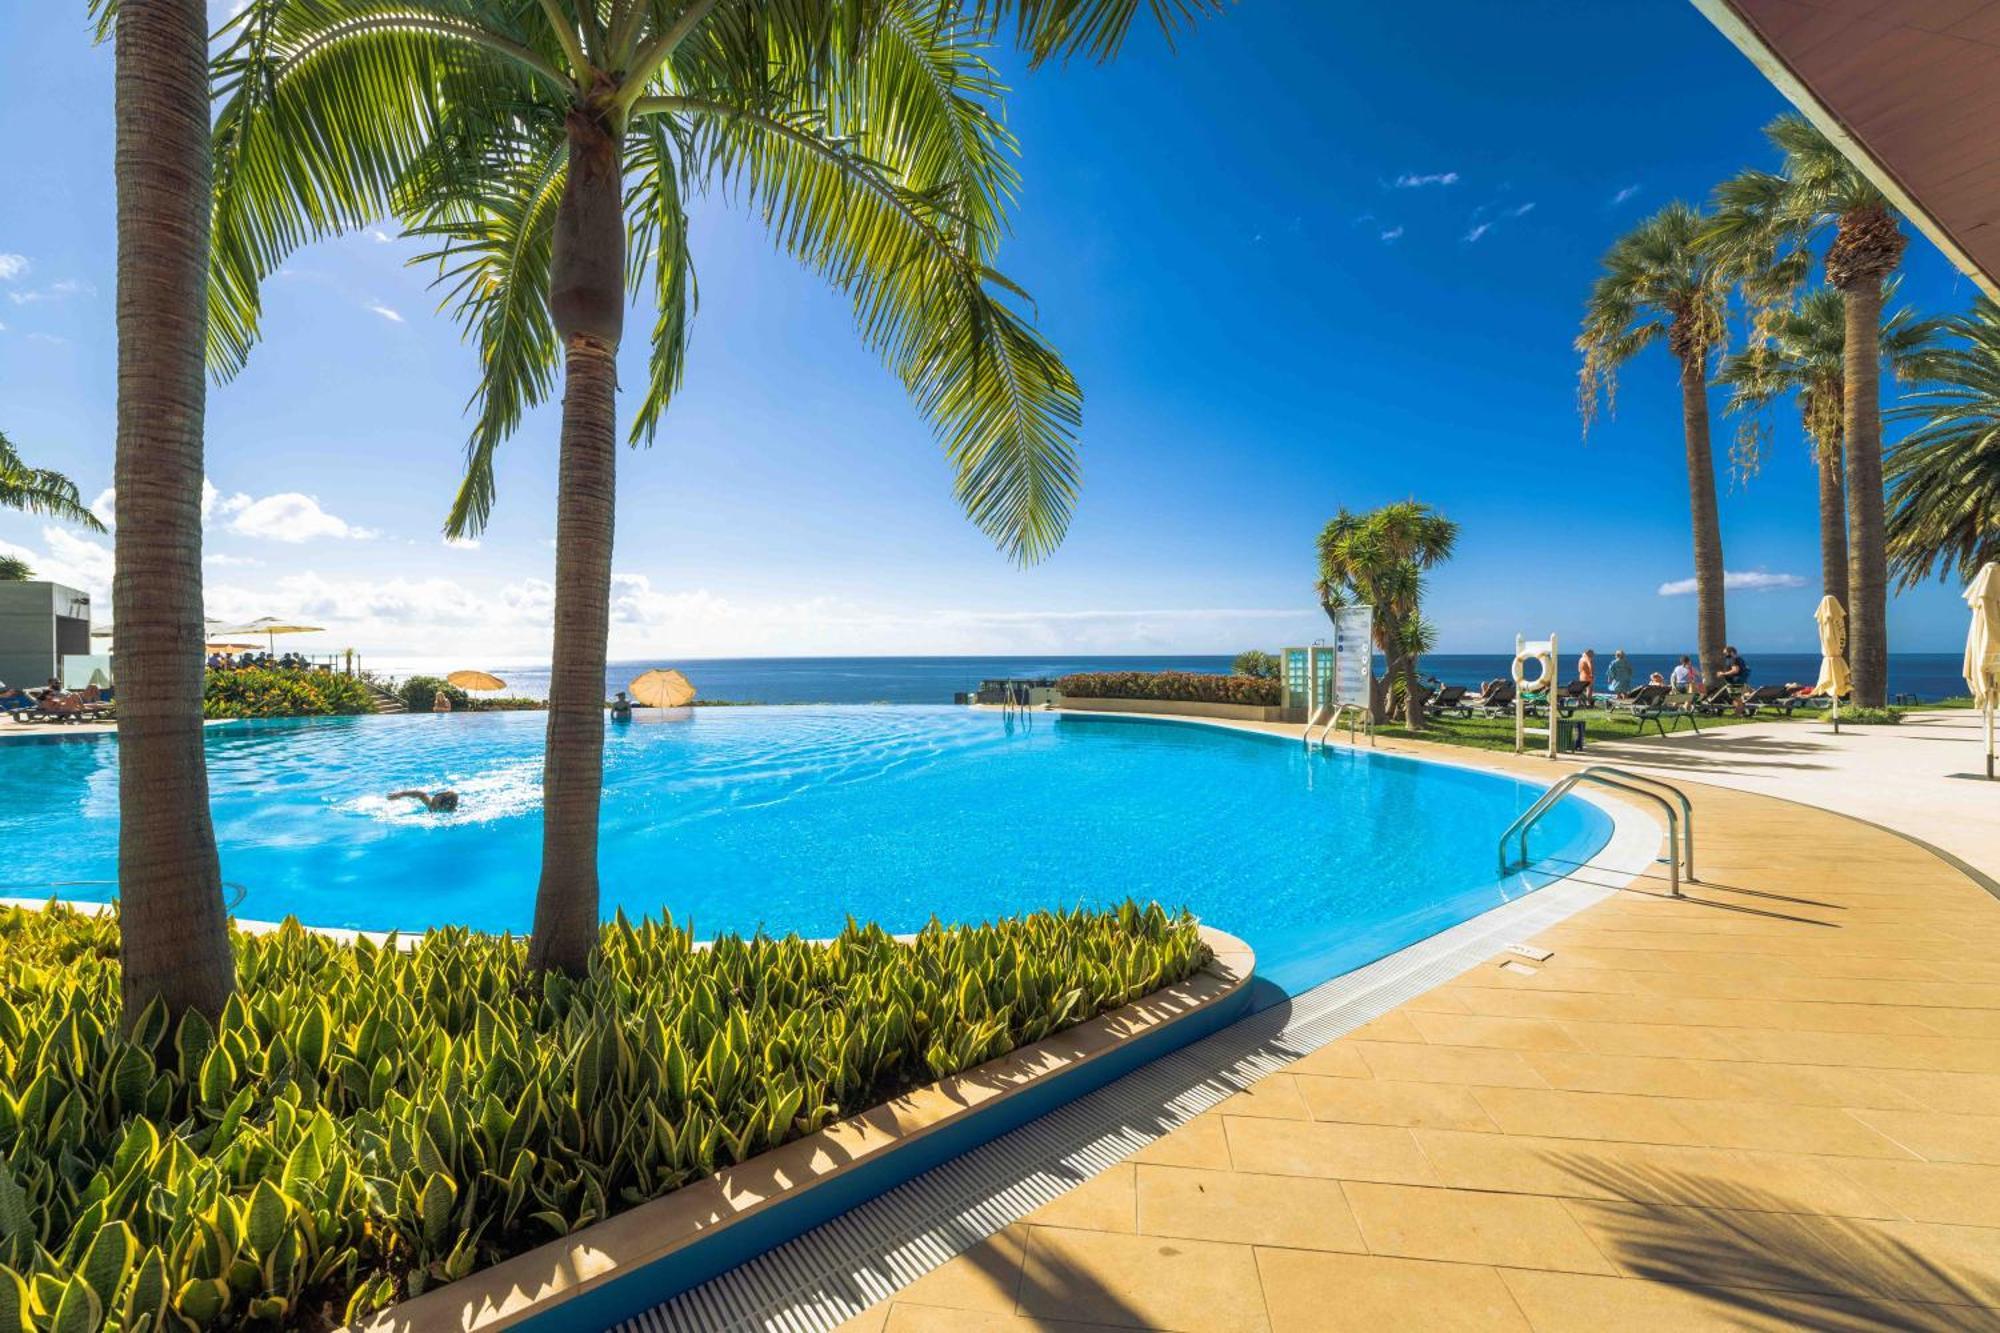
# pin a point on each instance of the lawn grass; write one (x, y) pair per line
(1497, 733)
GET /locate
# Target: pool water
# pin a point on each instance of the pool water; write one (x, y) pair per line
(793, 819)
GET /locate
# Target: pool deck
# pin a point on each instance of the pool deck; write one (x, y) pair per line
(1774, 1102)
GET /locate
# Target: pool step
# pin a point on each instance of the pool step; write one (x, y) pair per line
(385, 701)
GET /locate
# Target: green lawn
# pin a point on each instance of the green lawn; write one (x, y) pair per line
(1497, 733)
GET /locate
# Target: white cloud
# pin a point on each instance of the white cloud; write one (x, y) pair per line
(223, 560)
(1392, 233)
(1479, 229)
(1521, 210)
(385, 312)
(55, 291)
(1751, 580)
(462, 543)
(287, 517)
(379, 236)
(68, 558)
(12, 266)
(1415, 181)
(1624, 194)
(105, 506)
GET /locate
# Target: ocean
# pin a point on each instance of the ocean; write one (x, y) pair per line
(933, 680)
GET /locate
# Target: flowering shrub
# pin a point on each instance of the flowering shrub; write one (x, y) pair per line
(1180, 686)
(276, 692)
(366, 1121)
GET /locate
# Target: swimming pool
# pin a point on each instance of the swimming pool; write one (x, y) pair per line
(792, 819)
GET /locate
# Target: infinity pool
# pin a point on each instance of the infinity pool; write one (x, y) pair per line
(793, 819)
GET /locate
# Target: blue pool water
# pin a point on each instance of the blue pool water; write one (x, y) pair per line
(791, 819)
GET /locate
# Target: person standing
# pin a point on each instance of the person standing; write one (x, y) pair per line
(1618, 676)
(1685, 677)
(1586, 672)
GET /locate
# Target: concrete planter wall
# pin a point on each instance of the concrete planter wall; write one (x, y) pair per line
(1185, 708)
(617, 1268)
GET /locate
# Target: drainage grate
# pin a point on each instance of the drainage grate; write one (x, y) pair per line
(832, 1273)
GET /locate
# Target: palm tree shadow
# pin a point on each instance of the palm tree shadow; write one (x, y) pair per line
(1755, 1252)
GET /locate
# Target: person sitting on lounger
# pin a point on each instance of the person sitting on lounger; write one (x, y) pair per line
(1656, 679)
(1685, 676)
(437, 802)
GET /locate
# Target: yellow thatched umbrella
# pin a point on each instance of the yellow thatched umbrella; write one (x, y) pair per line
(1833, 678)
(1982, 649)
(475, 680)
(662, 689)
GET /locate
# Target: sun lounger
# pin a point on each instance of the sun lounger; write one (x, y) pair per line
(1495, 697)
(1448, 699)
(1778, 698)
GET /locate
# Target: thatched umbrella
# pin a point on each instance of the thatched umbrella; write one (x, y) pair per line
(475, 680)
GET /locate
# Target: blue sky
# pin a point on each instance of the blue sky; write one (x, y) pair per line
(1324, 255)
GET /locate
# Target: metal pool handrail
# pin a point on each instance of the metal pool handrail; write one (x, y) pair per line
(1680, 823)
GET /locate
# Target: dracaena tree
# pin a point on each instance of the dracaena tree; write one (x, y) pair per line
(1803, 355)
(547, 149)
(1944, 476)
(1658, 283)
(1764, 227)
(1379, 559)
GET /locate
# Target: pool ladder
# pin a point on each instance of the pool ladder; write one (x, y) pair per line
(1356, 715)
(1680, 823)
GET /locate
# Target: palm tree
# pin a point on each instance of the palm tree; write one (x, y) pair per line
(13, 569)
(40, 491)
(547, 147)
(1657, 281)
(174, 931)
(1804, 353)
(1944, 476)
(1764, 224)
(1378, 560)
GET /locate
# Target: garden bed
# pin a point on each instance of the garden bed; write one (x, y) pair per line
(367, 1123)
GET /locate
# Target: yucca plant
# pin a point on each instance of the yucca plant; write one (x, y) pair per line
(365, 1121)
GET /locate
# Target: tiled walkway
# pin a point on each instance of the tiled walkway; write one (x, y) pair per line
(1775, 1103)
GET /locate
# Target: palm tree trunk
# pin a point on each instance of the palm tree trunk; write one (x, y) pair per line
(587, 297)
(174, 939)
(1711, 628)
(1867, 557)
(1832, 525)
(1413, 698)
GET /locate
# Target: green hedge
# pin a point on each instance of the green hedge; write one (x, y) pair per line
(365, 1121)
(1182, 686)
(420, 692)
(277, 692)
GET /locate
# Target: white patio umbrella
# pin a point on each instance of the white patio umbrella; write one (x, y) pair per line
(1833, 678)
(270, 627)
(1982, 649)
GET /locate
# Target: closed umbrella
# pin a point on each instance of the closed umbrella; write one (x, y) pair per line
(1982, 649)
(1833, 680)
(476, 680)
(662, 689)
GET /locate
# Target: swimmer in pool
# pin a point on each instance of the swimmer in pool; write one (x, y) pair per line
(438, 803)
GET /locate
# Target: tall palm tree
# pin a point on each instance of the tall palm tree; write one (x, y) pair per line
(174, 942)
(40, 491)
(13, 569)
(1378, 559)
(1944, 476)
(547, 147)
(1658, 282)
(1803, 352)
(1765, 223)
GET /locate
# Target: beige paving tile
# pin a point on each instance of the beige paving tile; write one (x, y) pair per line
(1650, 1039)
(1513, 1230)
(1954, 1192)
(1729, 1247)
(1297, 1211)
(1776, 1127)
(1586, 1115)
(985, 1277)
(1200, 1142)
(1312, 1293)
(1572, 1303)
(1938, 1135)
(1329, 1151)
(1513, 1034)
(1378, 1102)
(872, 1320)
(1965, 1094)
(1447, 1064)
(1106, 1202)
(1276, 1097)
(1340, 1059)
(1396, 1025)
(1141, 1282)
(907, 1318)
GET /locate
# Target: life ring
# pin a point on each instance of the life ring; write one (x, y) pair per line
(1534, 653)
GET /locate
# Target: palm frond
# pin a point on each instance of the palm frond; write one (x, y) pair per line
(659, 245)
(1001, 401)
(325, 105)
(491, 204)
(41, 491)
(1943, 478)
(1094, 28)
